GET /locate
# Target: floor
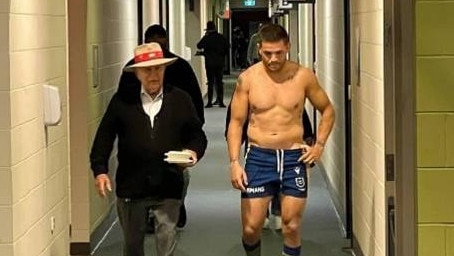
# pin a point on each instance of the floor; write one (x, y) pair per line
(213, 227)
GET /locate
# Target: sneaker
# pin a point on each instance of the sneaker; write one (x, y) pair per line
(277, 222)
(182, 218)
(266, 224)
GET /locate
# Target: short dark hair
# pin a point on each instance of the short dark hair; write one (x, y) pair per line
(273, 33)
(155, 31)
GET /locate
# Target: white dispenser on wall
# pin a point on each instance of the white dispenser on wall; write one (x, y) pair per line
(52, 105)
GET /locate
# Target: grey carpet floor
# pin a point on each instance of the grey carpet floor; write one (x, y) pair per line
(213, 207)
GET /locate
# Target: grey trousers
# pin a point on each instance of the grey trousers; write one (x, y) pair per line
(186, 179)
(133, 216)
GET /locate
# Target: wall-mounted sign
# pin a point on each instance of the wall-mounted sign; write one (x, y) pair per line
(249, 2)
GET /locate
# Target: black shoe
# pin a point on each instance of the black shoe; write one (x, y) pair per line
(209, 105)
(222, 105)
(216, 102)
(182, 218)
(150, 225)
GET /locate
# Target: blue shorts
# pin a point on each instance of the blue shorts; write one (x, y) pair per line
(274, 171)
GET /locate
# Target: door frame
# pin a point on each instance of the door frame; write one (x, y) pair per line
(400, 126)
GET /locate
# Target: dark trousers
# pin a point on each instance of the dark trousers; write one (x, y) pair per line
(214, 77)
(133, 216)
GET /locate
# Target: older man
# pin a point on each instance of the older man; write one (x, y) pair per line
(148, 121)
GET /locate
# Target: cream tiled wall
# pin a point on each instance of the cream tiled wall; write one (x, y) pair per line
(435, 126)
(330, 71)
(6, 197)
(368, 126)
(34, 159)
(112, 26)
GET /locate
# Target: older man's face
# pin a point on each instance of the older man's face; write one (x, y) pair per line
(151, 78)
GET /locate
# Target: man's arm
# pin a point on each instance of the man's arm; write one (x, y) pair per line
(321, 102)
(201, 43)
(238, 115)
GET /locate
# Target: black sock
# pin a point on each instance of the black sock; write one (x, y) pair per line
(252, 250)
(291, 251)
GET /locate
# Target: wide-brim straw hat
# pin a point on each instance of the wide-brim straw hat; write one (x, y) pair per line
(148, 55)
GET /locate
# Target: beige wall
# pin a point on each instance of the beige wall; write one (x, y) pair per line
(330, 71)
(193, 25)
(34, 163)
(368, 126)
(112, 28)
(435, 126)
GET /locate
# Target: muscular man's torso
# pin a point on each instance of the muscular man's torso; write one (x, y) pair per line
(276, 104)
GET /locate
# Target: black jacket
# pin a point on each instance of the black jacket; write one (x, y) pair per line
(141, 171)
(215, 47)
(179, 74)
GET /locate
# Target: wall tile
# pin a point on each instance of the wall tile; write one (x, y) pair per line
(5, 111)
(35, 240)
(431, 240)
(26, 140)
(4, 8)
(46, 63)
(4, 56)
(28, 175)
(26, 104)
(449, 140)
(6, 249)
(434, 30)
(6, 184)
(434, 84)
(431, 140)
(56, 188)
(6, 222)
(434, 191)
(449, 240)
(5, 148)
(54, 7)
(32, 203)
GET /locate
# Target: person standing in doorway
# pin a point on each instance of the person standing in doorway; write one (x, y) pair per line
(178, 74)
(215, 47)
(148, 121)
(252, 49)
(271, 95)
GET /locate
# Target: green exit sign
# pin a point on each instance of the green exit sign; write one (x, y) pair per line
(249, 2)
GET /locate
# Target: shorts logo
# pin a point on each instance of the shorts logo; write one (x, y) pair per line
(297, 170)
(300, 183)
(255, 190)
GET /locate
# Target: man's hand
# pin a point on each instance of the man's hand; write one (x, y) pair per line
(102, 184)
(193, 158)
(238, 176)
(311, 154)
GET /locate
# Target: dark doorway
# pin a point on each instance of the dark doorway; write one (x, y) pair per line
(244, 24)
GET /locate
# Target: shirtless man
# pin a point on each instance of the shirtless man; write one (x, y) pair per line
(274, 90)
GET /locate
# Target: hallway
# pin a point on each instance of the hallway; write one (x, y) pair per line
(214, 226)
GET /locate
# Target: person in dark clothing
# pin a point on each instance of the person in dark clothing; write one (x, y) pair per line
(148, 121)
(178, 74)
(215, 48)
